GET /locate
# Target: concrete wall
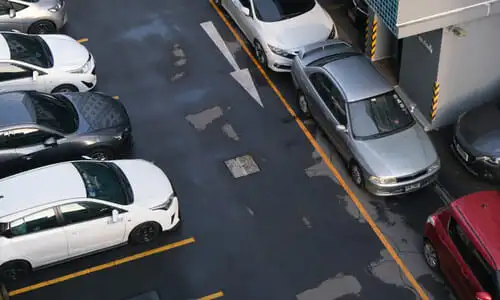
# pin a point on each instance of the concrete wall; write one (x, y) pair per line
(411, 10)
(469, 69)
(419, 68)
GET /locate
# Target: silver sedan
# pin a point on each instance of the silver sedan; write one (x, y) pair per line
(386, 151)
(35, 17)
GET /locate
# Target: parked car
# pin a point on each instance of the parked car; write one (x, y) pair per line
(35, 17)
(44, 63)
(70, 209)
(462, 241)
(386, 151)
(278, 29)
(477, 141)
(38, 129)
(358, 13)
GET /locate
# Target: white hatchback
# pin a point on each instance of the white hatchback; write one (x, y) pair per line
(46, 63)
(67, 210)
(279, 29)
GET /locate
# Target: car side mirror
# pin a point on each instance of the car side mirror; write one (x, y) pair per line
(114, 215)
(35, 75)
(245, 11)
(50, 142)
(483, 296)
(12, 13)
(341, 128)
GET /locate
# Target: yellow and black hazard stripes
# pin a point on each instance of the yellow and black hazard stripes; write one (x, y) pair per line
(373, 40)
(435, 100)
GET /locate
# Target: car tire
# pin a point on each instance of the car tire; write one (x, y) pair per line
(65, 88)
(260, 54)
(430, 255)
(4, 294)
(356, 174)
(101, 154)
(15, 270)
(303, 105)
(144, 233)
(42, 27)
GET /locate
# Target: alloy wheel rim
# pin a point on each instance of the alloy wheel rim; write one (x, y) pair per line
(303, 104)
(260, 53)
(356, 175)
(42, 28)
(64, 90)
(13, 274)
(147, 233)
(430, 255)
(99, 156)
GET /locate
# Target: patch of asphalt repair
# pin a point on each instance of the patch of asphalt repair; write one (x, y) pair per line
(201, 120)
(334, 288)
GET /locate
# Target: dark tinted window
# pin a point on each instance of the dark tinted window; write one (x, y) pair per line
(104, 181)
(29, 49)
(276, 10)
(57, 114)
(330, 96)
(84, 211)
(4, 8)
(379, 116)
(12, 72)
(17, 6)
(478, 265)
(245, 3)
(36, 222)
(24, 137)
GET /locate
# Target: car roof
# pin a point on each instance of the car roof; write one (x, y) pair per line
(39, 187)
(4, 48)
(358, 77)
(13, 111)
(480, 210)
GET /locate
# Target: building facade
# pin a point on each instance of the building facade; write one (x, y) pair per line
(446, 52)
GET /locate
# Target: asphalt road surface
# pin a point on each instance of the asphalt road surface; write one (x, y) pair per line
(284, 228)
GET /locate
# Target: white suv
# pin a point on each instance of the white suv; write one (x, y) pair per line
(45, 63)
(66, 210)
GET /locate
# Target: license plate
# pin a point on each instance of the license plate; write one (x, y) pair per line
(412, 187)
(461, 152)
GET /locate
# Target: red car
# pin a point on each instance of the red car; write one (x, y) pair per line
(462, 241)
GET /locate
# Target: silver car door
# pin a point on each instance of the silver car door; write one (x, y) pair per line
(8, 22)
(317, 93)
(337, 115)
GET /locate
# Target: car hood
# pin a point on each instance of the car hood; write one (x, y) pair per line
(68, 54)
(97, 111)
(311, 27)
(480, 129)
(399, 154)
(150, 185)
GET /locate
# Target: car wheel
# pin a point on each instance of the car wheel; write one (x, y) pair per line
(430, 255)
(303, 105)
(260, 54)
(14, 270)
(42, 27)
(145, 233)
(65, 88)
(101, 154)
(356, 174)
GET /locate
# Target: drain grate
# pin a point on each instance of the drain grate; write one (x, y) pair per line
(242, 166)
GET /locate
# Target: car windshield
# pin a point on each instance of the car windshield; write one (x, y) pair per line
(30, 49)
(55, 113)
(379, 116)
(277, 10)
(105, 181)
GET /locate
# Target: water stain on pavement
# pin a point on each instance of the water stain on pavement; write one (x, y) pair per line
(230, 132)
(154, 28)
(201, 120)
(180, 61)
(333, 288)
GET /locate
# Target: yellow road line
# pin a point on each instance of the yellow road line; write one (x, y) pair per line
(102, 267)
(83, 40)
(212, 296)
(327, 161)
(116, 97)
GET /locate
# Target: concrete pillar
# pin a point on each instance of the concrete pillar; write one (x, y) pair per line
(379, 40)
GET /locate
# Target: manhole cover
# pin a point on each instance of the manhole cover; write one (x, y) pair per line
(242, 166)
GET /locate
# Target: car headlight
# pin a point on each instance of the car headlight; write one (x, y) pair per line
(383, 180)
(490, 160)
(278, 51)
(435, 166)
(166, 205)
(55, 8)
(84, 69)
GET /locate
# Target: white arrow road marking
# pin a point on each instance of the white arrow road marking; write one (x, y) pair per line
(245, 80)
(219, 42)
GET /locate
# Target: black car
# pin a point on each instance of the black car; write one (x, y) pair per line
(477, 141)
(38, 128)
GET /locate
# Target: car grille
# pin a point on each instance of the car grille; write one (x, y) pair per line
(411, 177)
(292, 54)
